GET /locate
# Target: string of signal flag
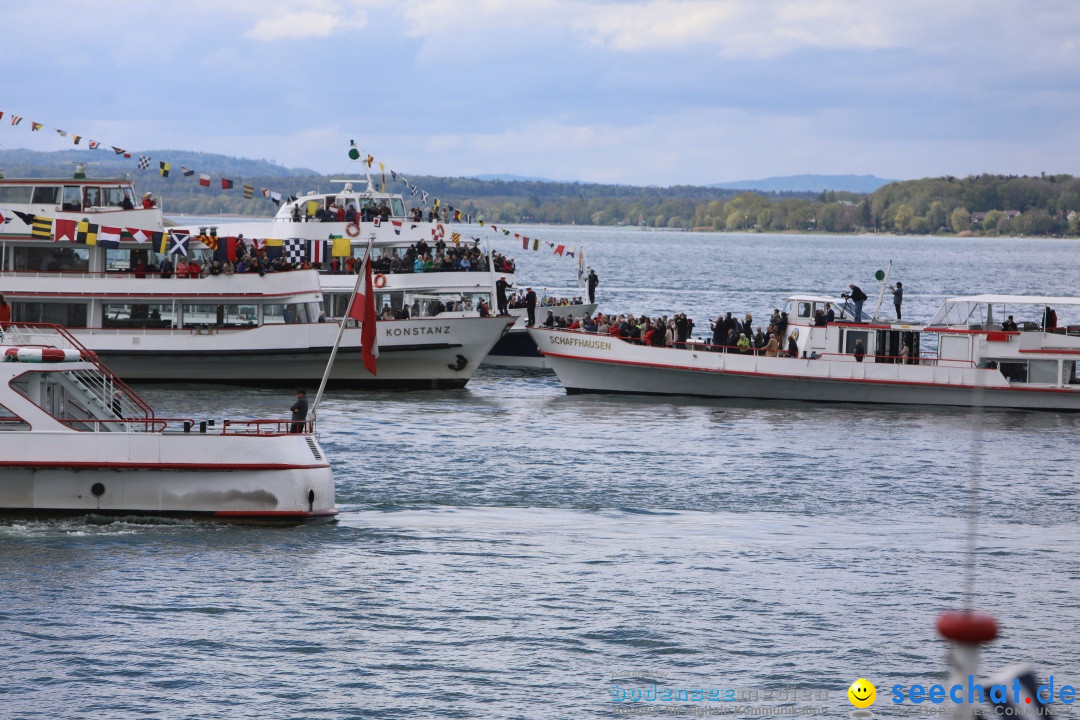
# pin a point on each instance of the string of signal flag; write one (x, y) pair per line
(165, 169)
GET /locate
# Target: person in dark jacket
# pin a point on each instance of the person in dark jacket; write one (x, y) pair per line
(530, 305)
(500, 295)
(299, 412)
(897, 297)
(858, 297)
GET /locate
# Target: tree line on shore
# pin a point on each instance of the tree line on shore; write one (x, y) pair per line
(980, 205)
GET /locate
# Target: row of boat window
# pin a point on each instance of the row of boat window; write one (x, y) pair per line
(167, 315)
(69, 197)
(233, 315)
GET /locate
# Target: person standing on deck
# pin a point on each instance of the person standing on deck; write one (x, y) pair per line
(593, 281)
(299, 412)
(897, 297)
(858, 297)
(530, 305)
(500, 295)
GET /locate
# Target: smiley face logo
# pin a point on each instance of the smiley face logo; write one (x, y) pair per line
(862, 693)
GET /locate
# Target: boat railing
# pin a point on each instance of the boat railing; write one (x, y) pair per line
(190, 426)
(103, 385)
(267, 427)
(123, 424)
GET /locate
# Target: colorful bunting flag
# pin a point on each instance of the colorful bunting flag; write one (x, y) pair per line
(226, 184)
(178, 242)
(296, 250)
(397, 226)
(118, 151)
(188, 172)
(144, 162)
(94, 144)
(341, 247)
(204, 179)
(76, 138)
(35, 126)
(109, 237)
(65, 230)
(249, 192)
(15, 119)
(165, 167)
(86, 233)
(27, 218)
(42, 228)
(140, 236)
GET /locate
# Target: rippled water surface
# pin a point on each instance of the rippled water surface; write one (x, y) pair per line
(503, 550)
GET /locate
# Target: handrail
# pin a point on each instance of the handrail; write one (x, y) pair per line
(87, 355)
(260, 427)
(228, 427)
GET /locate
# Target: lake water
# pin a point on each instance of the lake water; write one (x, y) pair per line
(509, 551)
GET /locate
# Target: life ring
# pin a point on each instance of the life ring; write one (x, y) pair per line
(380, 280)
(352, 229)
(440, 231)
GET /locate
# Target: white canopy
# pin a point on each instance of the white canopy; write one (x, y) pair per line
(993, 308)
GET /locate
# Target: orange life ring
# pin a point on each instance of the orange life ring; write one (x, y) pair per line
(440, 230)
(352, 229)
(380, 280)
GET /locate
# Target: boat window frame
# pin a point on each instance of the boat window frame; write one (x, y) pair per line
(46, 195)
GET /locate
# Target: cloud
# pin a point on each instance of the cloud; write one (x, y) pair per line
(299, 26)
(303, 19)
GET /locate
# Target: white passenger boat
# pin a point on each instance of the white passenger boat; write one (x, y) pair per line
(75, 440)
(308, 225)
(239, 328)
(965, 357)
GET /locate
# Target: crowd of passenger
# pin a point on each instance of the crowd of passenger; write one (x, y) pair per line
(729, 334)
(367, 211)
(183, 267)
(349, 213)
(421, 257)
(518, 301)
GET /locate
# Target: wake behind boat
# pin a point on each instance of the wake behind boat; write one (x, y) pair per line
(975, 354)
(76, 440)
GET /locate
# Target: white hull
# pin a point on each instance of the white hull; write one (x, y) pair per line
(595, 364)
(177, 474)
(517, 349)
(428, 352)
(75, 440)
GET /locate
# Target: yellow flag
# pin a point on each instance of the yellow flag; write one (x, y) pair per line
(341, 248)
(455, 238)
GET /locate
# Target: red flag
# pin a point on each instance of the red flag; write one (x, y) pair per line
(559, 249)
(524, 243)
(226, 184)
(230, 248)
(204, 180)
(363, 312)
(65, 230)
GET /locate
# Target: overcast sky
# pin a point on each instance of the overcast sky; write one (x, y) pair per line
(641, 93)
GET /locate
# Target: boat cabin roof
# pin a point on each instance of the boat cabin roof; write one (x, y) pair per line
(973, 308)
